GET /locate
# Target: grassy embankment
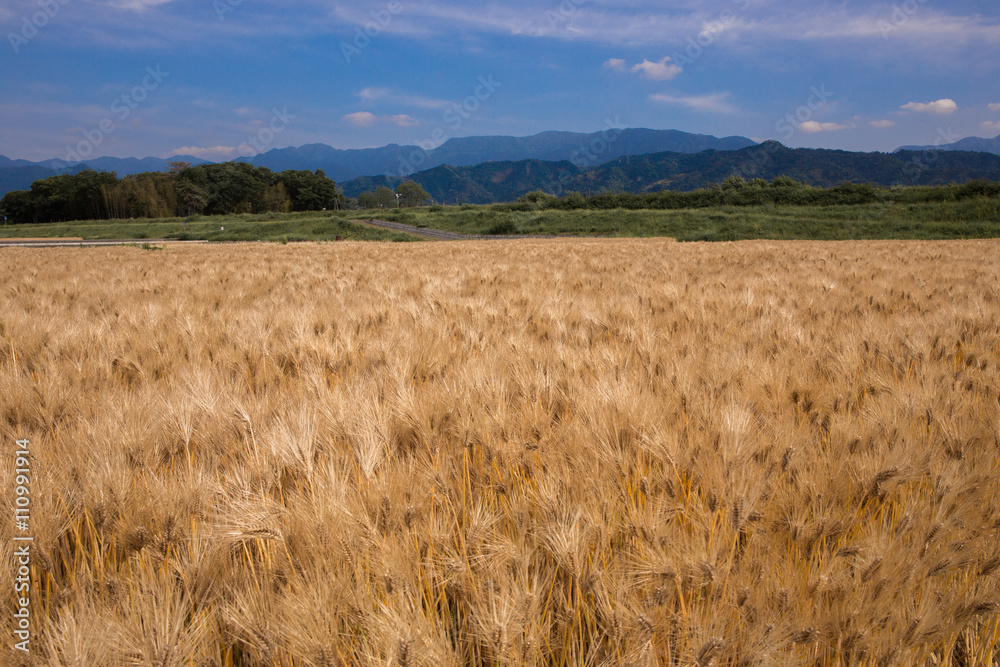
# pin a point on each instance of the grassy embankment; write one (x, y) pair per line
(966, 219)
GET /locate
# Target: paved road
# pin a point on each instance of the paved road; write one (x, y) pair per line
(447, 236)
(55, 243)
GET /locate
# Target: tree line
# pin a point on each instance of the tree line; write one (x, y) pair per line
(737, 191)
(210, 189)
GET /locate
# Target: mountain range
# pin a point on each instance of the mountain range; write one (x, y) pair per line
(506, 181)
(499, 168)
(342, 165)
(972, 144)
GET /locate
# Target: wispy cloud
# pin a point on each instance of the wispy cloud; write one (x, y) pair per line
(402, 120)
(940, 107)
(815, 127)
(637, 23)
(995, 107)
(713, 103)
(661, 70)
(207, 153)
(137, 5)
(361, 118)
(991, 125)
(373, 94)
(367, 119)
(882, 124)
(615, 64)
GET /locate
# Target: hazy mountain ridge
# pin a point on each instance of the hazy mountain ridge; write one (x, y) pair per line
(491, 169)
(970, 144)
(401, 161)
(587, 149)
(505, 181)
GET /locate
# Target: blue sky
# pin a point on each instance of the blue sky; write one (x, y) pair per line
(222, 78)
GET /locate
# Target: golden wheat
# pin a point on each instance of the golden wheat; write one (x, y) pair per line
(510, 453)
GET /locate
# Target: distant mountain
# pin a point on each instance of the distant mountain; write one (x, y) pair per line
(6, 162)
(394, 160)
(20, 174)
(130, 165)
(505, 181)
(123, 166)
(496, 169)
(970, 144)
(400, 161)
(21, 178)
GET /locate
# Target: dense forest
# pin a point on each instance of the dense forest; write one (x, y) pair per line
(211, 189)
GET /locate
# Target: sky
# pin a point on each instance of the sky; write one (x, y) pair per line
(219, 79)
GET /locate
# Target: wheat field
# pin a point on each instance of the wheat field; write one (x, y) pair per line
(565, 452)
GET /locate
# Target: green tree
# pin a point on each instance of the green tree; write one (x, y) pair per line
(368, 200)
(309, 191)
(18, 207)
(386, 197)
(411, 194)
(191, 199)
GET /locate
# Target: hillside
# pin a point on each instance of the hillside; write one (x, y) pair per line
(582, 149)
(504, 181)
(971, 144)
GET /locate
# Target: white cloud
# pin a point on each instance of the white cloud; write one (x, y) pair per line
(361, 118)
(137, 5)
(713, 103)
(402, 120)
(373, 93)
(658, 71)
(210, 153)
(995, 107)
(882, 124)
(367, 119)
(813, 127)
(376, 93)
(941, 107)
(615, 64)
(991, 125)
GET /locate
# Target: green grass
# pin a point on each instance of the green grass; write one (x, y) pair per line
(276, 227)
(964, 219)
(973, 218)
